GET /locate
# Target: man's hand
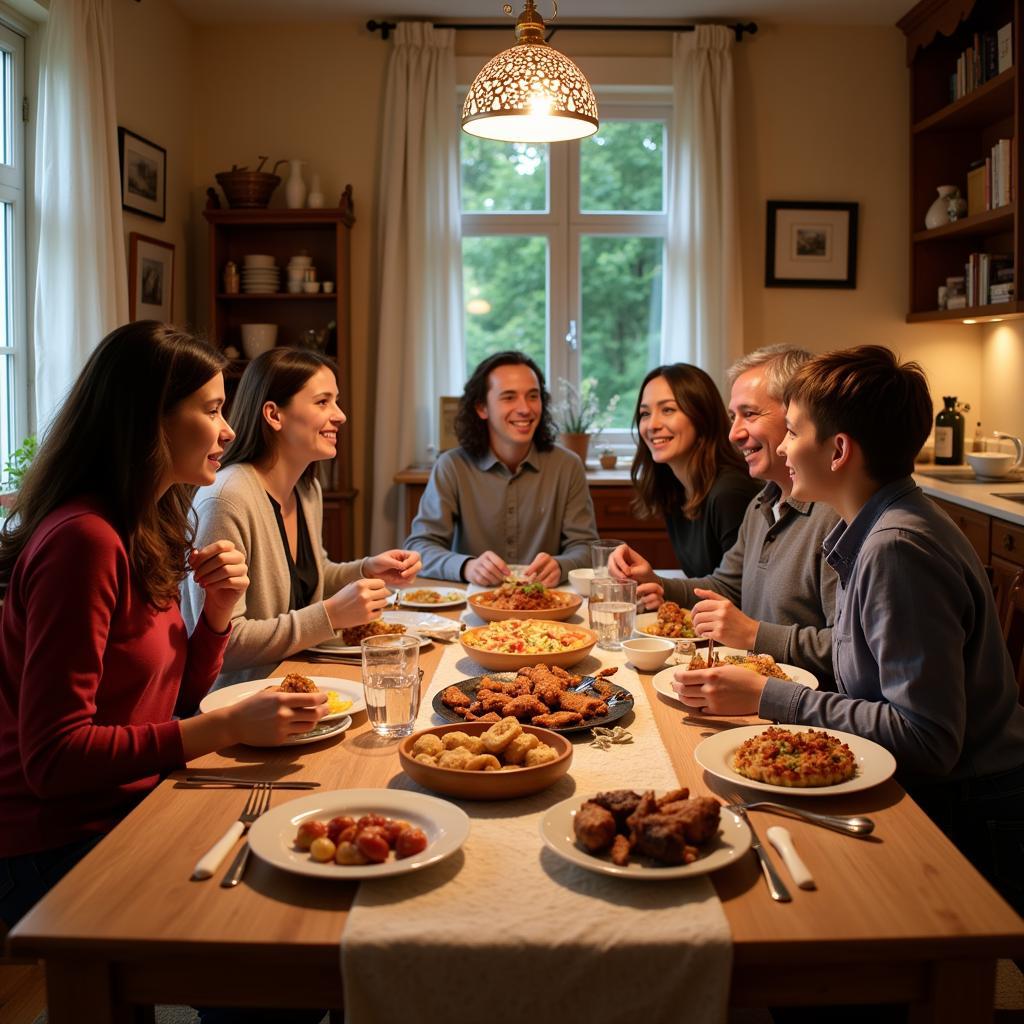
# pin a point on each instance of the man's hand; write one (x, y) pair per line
(717, 617)
(728, 690)
(544, 569)
(651, 595)
(220, 569)
(486, 570)
(626, 564)
(394, 568)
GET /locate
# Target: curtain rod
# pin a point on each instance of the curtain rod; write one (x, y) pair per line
(387, 27)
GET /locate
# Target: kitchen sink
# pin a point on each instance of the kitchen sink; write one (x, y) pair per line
(1018, 497)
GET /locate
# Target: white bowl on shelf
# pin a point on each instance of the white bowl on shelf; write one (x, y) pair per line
(258, 338)
(258, 260)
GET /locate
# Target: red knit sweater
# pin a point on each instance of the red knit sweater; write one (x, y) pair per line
(90, 676)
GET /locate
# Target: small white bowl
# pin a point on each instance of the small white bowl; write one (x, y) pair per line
(992, 465)
(579, 580)
(311, 287)
(258, 338)
(648, 653)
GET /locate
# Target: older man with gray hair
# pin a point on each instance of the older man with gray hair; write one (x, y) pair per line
(774, 592)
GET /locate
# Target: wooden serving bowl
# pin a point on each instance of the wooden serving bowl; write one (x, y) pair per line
(503, 785)
(489, 614)
(499, 662)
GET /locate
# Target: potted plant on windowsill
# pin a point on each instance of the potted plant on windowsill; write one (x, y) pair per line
(15, 469)
(608, 458)
(578, 415)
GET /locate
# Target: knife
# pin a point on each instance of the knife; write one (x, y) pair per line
(230, 780)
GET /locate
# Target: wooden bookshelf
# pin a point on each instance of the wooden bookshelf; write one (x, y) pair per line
(946, 137)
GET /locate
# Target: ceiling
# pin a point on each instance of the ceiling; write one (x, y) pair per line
(812, 12)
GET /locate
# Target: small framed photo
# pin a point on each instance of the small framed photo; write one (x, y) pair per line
(448, 407)
(811, 245)
(143, 175)
(150, 278)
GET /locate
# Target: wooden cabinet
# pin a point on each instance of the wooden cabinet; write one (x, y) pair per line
(948, 136)
(615, 519)
(976, 526)
(325, 236)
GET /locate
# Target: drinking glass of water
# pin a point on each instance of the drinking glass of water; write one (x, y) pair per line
(391, 682)
(600, 552)
(612, 611)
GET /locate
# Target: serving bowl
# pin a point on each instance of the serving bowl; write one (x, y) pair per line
(992, 465)
(648, 653)
(491, 614)
(499, 661)
(503, 785)
(258, 338)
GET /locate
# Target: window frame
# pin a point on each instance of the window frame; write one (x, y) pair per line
(565, 224)
(13, 191)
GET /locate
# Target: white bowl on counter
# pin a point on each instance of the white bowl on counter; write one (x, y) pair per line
(992, 465)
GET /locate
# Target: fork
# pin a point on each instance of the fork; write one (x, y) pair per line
(255, 805)
(855, 826)
(776, 887)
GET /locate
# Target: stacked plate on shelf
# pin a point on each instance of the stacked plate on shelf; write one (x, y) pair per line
(260, 275)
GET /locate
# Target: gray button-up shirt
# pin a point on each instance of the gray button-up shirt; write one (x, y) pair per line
(475, 505)
(920, 661)
(776, 573)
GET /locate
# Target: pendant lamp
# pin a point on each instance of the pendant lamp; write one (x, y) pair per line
(530, 92)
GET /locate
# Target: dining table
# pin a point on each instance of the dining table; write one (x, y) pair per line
(899, 916)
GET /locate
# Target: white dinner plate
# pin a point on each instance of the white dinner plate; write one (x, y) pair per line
(427, 605)
(408, 619)
(874, 763)
(731, 843)
(663, 680)
(345, 688)
(272, 836)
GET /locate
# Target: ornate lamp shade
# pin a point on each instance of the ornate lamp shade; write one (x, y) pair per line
(530, 92)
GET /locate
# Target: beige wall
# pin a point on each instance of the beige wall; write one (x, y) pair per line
(822, 114)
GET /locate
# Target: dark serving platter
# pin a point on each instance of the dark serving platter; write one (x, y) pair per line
(620, 700)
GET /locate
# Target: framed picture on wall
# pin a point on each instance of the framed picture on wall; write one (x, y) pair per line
(150, 278)
(448, 406)
(811, 245)
(143, 175)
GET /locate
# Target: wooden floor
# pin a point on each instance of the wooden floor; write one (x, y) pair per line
(22, 993)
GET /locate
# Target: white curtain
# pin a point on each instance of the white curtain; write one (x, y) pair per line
(704, 306)
(81, 278)
(420, 347)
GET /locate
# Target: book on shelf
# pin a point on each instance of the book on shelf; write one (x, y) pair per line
(1004, 275)
(956, 302)
(1004, 48)
(976, 188)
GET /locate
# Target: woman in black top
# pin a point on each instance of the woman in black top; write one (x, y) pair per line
(685, 467)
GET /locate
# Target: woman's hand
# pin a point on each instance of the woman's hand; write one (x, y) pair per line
(220, 569)
(626, 564)
(717, 617)
(395, 567)
(357, 603)
(486, 570)
(728, 690)
(268, 718)
(544, 569)
(651, 595)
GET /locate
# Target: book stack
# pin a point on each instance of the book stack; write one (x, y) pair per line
(1002, 287)
(956, 293)
(989, 54)
(999, 175)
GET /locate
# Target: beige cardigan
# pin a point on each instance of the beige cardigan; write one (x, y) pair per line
(264, 630)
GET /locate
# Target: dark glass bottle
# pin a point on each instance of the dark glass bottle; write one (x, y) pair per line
(949, 434)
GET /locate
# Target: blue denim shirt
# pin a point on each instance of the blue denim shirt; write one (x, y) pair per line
(920, 662)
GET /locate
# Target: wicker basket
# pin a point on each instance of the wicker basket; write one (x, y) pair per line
(248, 190)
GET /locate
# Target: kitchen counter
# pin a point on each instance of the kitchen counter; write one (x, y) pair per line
(958, 484)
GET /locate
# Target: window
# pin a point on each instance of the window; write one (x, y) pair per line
(13, 344)
(562, 252)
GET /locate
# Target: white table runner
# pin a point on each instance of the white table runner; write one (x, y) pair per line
(506, 930)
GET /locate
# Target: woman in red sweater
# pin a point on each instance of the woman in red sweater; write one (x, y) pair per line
(95, 662)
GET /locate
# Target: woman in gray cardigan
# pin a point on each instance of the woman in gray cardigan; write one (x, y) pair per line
(267, 501)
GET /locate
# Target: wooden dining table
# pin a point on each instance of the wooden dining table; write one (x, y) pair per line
(897, 917)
